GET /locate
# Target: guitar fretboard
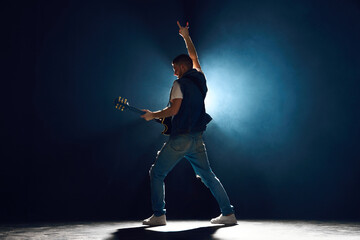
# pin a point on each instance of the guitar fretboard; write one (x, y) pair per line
(135, 109)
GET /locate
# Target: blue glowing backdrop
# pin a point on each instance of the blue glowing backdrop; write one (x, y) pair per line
(283, 81)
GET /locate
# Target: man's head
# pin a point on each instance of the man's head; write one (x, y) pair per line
(182, 64)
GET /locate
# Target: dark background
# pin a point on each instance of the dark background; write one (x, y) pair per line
(283, 83)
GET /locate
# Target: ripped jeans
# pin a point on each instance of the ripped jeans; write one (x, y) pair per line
(192, 147)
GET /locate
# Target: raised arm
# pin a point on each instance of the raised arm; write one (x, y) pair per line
(184, 32)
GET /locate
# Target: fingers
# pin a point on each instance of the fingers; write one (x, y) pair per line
(187, 25)
(147, 116)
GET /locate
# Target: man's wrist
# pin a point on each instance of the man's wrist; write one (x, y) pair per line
(152, 115)
(155, 115)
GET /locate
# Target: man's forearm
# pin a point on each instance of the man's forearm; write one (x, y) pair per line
(190, 47)
(166, 112)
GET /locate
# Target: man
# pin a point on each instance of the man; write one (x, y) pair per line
(189, 120)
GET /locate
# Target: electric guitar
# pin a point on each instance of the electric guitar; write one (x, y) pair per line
(122, 104)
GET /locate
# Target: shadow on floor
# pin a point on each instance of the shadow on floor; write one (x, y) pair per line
(144, 232)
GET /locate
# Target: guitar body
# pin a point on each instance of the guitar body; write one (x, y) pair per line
(122, 103)
(166, 122)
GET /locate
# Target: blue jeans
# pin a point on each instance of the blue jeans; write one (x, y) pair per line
(192, 147)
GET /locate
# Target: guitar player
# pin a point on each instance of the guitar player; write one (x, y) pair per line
(189, 120)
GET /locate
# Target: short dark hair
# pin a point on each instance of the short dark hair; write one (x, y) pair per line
(183, 59)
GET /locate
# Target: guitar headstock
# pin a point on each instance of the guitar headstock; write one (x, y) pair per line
(121, 103)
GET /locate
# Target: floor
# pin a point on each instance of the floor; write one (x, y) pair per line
(199, 230)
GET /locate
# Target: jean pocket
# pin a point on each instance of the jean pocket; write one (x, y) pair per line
(180, 143)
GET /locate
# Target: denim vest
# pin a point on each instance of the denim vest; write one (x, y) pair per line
(191, 116)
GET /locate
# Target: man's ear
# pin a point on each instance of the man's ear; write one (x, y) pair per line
(183, 68)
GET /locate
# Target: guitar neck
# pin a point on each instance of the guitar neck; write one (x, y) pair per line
(134, 109)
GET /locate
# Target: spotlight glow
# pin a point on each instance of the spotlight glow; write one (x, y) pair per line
(248, 93)
(231, 98)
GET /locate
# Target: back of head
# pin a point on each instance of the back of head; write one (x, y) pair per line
(183, 59)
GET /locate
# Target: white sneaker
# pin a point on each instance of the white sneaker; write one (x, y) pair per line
(228, 220)
(155, 221)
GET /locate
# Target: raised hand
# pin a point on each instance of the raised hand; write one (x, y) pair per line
(183, 31)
